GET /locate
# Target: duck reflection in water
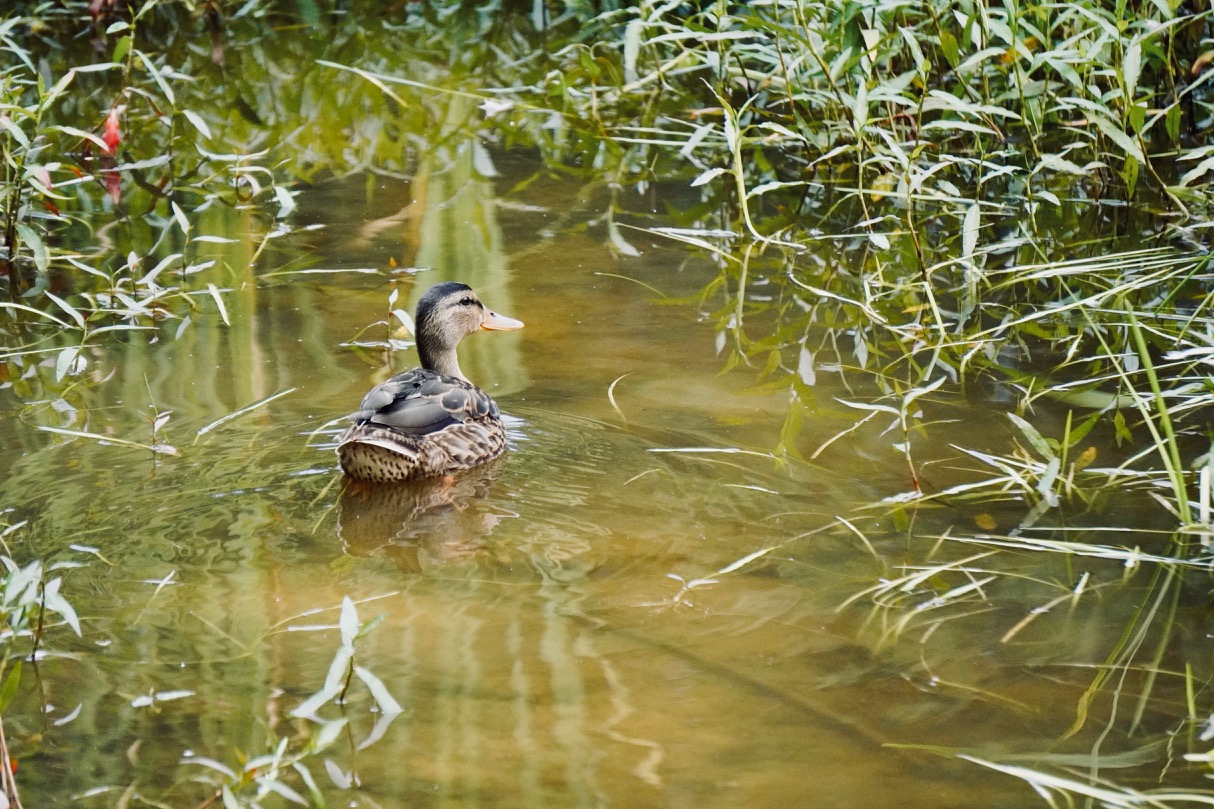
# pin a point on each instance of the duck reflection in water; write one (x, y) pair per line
(420, 522)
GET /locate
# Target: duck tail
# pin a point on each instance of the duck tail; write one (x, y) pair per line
(380, 455)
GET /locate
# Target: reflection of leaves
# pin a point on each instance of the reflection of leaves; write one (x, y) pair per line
(8, 690)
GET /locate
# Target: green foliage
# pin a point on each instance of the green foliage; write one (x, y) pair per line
(937, 197)
(272, 773)
(27, 599)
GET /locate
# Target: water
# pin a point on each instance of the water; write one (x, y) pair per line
(543, 626)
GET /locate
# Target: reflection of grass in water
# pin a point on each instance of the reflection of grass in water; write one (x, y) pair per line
(811, 112)
(1107, 338)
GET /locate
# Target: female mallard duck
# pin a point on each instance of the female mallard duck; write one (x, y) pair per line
(430, 421)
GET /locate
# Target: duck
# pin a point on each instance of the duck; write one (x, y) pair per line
(430, 422)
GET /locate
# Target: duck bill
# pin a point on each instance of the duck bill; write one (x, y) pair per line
(495, 322)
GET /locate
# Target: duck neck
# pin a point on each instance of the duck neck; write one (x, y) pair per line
(442, 360)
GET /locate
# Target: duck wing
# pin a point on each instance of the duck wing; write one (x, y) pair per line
(421, 402)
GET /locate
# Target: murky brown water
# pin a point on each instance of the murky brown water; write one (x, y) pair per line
(535, 629)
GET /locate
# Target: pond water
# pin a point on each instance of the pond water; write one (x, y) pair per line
(542, 623)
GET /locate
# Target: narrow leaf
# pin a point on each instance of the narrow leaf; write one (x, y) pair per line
(969, 231)
(379, 691)
(9, 689)
(1035, 439)
(348, 622)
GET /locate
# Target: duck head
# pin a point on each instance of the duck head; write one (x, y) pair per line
(446, 314)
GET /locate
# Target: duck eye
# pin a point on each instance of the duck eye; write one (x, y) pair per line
(465, 301)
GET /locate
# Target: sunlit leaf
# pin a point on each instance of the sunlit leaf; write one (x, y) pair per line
(80, 133)
(179, 217)
(744, 561)
(210, 763)
(157, 76)
(632, 48)
(969, 231)
(378, 691)
(783, 130)
(1116, 134)
(286, 201)
(405, 320)
(308, 708)
(1035, 439)
(707, 176)
(223, 310)
(1131, 65)
(17, 132)
(58, 604)
(71, 311)
(348, 623)
(160, 267)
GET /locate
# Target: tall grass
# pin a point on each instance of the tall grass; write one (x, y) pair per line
(937, 198)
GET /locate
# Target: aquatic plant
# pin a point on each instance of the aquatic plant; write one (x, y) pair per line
(27, 600)
(273, 772)
(940, 201)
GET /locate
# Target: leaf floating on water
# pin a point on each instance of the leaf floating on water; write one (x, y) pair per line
(986, 522)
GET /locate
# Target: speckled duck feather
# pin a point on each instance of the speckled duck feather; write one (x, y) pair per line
(421, 424)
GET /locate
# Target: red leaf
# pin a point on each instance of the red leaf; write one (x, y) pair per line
(113, 131)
